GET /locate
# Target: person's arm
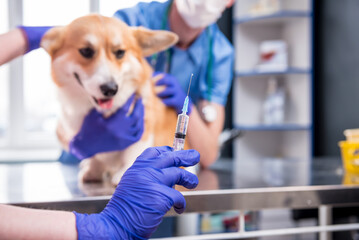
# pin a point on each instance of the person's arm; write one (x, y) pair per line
(141, 14)
(19, 41)
(15, 45)
(141, 199)
(23, 223)
(203, 136)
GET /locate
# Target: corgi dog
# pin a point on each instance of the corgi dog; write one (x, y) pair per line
(96, 51)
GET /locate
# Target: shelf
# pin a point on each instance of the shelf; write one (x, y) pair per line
(277, 17)
(255, 72)
(293, 24)
(282, 127)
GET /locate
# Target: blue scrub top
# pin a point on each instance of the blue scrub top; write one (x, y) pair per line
(195, 59)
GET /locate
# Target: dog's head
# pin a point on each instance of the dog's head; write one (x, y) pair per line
(103, 57)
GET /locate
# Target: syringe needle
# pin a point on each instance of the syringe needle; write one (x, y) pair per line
(189, 86)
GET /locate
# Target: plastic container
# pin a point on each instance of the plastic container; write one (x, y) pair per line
(263, 7)
(350, 156)
(352, 134)
(351, 179)
(273, 56)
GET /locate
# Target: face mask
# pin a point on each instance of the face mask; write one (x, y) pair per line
(200, 13)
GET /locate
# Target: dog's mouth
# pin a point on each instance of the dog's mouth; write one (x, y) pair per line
(104, 103)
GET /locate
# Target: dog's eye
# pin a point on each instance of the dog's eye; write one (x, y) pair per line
(87, 52)
(119, 53)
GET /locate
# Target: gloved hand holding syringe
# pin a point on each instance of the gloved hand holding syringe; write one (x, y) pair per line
(182, 124)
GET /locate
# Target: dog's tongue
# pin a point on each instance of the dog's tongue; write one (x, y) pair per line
(105, 103)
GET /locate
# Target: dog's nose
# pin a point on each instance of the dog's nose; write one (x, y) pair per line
(109, 89)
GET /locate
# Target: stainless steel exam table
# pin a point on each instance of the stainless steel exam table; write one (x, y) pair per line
(228, 185)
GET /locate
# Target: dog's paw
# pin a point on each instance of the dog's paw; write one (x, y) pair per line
(90, 171)
(88, 176)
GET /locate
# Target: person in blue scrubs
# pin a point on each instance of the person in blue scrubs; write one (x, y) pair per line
(203, 50)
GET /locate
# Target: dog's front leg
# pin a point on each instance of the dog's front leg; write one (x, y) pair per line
(129, 155)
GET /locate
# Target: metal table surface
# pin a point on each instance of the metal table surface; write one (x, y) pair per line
(228, 185)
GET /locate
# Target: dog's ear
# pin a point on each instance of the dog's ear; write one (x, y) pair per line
(53, 40)
(153, 41)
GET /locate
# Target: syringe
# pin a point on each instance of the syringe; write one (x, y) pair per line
(182, 124)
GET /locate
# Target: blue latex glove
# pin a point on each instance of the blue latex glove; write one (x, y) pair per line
(33, 36)
(172, 95)
(99, 134)
(143, 196)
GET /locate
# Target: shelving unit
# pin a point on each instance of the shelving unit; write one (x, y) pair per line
(293, 138)
(254, 72)
(276, 17)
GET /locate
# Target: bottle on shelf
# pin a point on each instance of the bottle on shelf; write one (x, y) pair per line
(274, 104)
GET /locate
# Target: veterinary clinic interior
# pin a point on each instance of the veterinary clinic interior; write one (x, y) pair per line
(266, 91)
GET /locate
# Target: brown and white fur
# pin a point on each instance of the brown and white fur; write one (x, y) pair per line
(118, 57)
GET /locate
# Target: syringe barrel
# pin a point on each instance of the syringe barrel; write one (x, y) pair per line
(178, 144)
(181, 130)
(182, 124)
